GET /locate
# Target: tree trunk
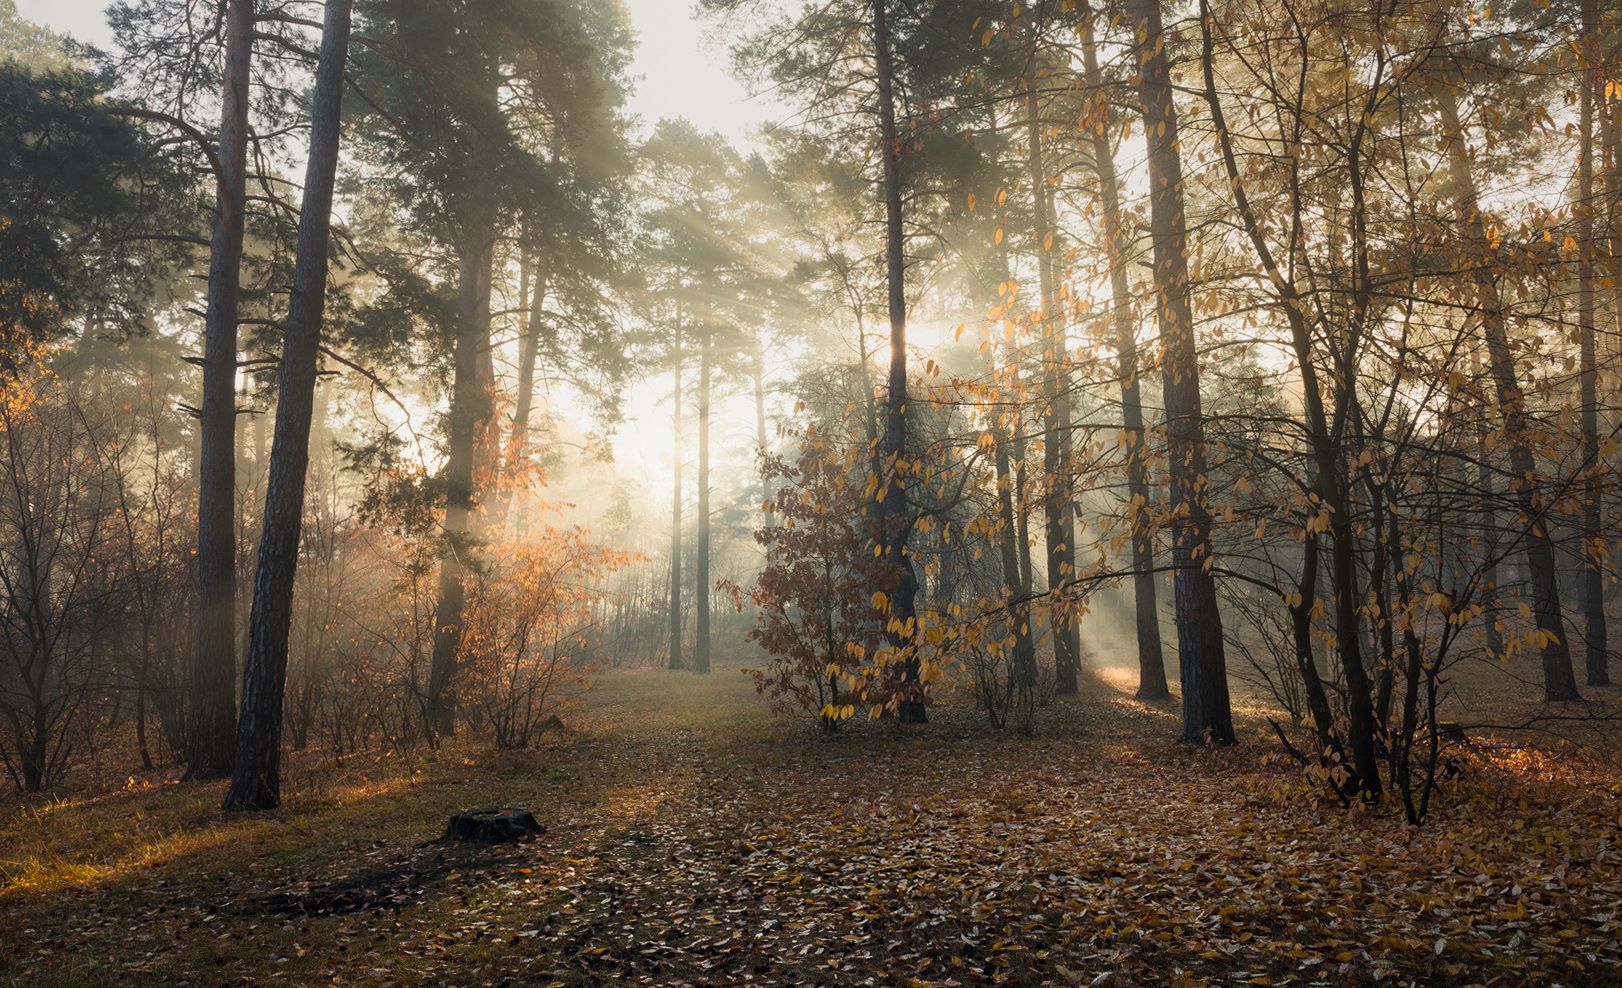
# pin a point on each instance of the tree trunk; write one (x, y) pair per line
(1325, 434)
(675, 506)
(256, 778)
(1591, 594)
(759, 374)
(701, 561)
(1014, 582)
(1207, 716)
(1151, 660)
(1559, 682)
(213, 668)
(1611, 129)
(903, 617)
(1489, 524)
(516, 456)
(1057, 501)
(470, 409)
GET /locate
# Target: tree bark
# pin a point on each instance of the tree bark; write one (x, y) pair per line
(1559, 682)
(515, 457)
(1015, 581)
(701, 561)
(903, 617)
(1057, 501)
(1489, 528)
(1151, 660)
(256, 778)
(675, 505)
(1591, 593)
(1207, 715)
(213, 667)
(470, 409)
(761, 439)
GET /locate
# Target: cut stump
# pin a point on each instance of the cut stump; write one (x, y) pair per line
(493, 825)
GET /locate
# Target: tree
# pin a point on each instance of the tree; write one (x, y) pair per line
(703, 274)
(85, 194)
(1101, 126)
(1591, 596)
(1207, 717)
(256, 776)
(58, 505)
(814, 596)
(1559, 682)
(1058, 504)
(442, 81)
(903, 610)
(213, 669)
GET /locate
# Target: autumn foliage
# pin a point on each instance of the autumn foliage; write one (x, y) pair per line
(820, 592)
(530, 644)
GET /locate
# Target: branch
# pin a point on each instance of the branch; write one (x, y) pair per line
(198, 137)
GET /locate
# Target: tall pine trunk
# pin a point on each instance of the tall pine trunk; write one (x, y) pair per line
(758, 371)
(1057, 499)
(256, 777)
(675, 505)
(213, 667)
(1591, 593)
(1151, 660)
(516, 456)
(1559, 682)
(701, 560)
(897, 524)
(470, 409)
(1207, 715)
(1610, 123)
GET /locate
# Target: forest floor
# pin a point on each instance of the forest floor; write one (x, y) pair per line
(694, 838)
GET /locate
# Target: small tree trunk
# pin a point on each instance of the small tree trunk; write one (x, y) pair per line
(1489, 526)
(1014, 585)
(256, 777)
(213, 668)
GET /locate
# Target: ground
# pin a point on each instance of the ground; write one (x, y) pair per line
(694, 838)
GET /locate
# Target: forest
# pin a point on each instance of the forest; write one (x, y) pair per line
(811, 492)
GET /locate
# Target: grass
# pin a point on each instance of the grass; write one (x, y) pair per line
(693, 837)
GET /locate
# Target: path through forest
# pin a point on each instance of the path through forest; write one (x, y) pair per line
(693, 838)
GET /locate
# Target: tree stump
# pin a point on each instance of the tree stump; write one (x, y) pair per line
(493, 825)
